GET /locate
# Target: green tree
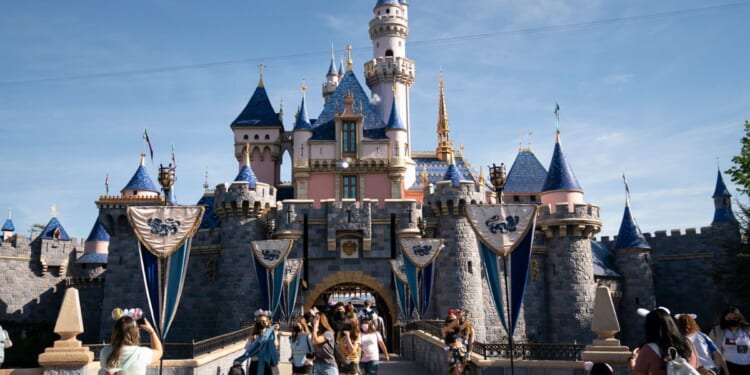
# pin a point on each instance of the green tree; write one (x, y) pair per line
(737, 282)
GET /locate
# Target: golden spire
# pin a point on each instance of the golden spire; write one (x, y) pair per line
(424, 176)
(260, 68)
(247, 154)
(143, 159)
(445, 146)
(348, 57)
(304, 88)
(481, 176)
(54, 210)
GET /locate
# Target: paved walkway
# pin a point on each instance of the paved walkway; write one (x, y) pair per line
(395, 366)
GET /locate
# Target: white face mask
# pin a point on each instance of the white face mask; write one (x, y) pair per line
(365, 327)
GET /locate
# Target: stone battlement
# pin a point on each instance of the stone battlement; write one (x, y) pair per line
(238, 199)
(672, 233)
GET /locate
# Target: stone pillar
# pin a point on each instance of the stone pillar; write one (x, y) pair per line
(68, 356)
(605, 348)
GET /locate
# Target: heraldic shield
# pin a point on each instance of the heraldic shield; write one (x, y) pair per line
(419, 265)
(501, 227)
(164, 235)
(270, 265)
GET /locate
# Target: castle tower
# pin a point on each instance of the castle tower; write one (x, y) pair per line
(444, 149)
(396, 132)
(8, 228)
(260, 126)
(633, 260)
(332, 79)
(462, 285)
(95, 252)
(722, 203)
(389, 66)
(301, 151)
(140, 185)
(568, 225)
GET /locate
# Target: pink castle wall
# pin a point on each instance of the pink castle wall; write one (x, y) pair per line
(377, 186)
(264, 167)
(321, 186)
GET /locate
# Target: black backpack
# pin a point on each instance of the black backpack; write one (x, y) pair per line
(236, 369)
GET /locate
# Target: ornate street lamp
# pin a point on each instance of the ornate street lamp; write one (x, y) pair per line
(166, 180)
(497, 176)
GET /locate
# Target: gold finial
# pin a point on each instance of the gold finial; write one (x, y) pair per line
(54, 210)
(348, 57)
(460, 147)
(260, 68)
(425, 180)
(531, 134)
(247, 154)
(481, 176)
(304, 87)
(143, 159)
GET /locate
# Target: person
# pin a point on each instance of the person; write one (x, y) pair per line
(302, 350)
(371, 340)
(323, 344)
(349, 346)
(261, 346)
(124, 355)
(454, 345)
(466, 330)
(370, 311)
(709, 355)
(338, 317)
(601, 368)
(733, 338)
(661, 335)
(3, 340)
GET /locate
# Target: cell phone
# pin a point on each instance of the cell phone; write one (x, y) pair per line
(141, 321)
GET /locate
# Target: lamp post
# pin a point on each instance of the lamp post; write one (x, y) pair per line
(497, 176)
(166, 180)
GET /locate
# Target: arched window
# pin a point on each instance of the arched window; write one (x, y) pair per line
(268, 137)
(245, 137)
(389, 53)
(256, 137)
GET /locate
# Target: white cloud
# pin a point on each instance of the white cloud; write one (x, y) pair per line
(617, 79)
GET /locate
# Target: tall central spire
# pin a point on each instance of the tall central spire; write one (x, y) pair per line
(444, 149)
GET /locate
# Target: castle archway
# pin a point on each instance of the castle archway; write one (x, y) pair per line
(356, 283)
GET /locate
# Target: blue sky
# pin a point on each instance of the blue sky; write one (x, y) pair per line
(655, 90)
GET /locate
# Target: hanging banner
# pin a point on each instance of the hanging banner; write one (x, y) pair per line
(506, 234)
(292, 272)
(163, 229)
(164, 234)
(402, 291)
(270, 260)
(421, 252)
(501, 227)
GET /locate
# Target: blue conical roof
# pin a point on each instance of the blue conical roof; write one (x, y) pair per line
(394, 122)
(560, 175)
(630, 236)
(303, 121)
(721, 189)
(140, 181)
(247, 174)
(387, 2)
(8, 226)
(98, 233)
(258, 111)
(49, 231)
(453, 175)
(526, 176)
(332, 67)
(210, 219)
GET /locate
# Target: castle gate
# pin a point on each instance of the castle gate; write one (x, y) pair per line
(356, 284)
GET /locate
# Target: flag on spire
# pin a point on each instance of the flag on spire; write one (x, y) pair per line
(627, 191)
(150, 148)
(106, 184)
(557, 116)
(174, 163)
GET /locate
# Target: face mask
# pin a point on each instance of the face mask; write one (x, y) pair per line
(732, 323)
(341, 315)
(365, 327)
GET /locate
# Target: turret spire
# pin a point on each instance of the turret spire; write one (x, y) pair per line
(332, 67)
(722, 202)
(260, 69)
(445, 147)
(629, 236)
(560, 175)
(349, 58)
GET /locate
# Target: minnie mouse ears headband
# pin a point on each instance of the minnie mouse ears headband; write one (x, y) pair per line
(135, 313)
(677, 316)
(261, 312)
(643, 312)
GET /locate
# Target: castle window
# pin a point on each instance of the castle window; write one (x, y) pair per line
(388, 11)
(268, 137)
(532, 198)
(389, 53)
(349, 138)
(256, 137)
(349, 190)
(516, 198)
(245, 137)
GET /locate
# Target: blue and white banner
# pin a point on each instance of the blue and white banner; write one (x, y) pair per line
(164, 235)
(270, 261)
(402, 289)
(506, 235)
(292, 281)
(420, 257)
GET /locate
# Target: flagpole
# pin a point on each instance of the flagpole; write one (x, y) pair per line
(510, 319)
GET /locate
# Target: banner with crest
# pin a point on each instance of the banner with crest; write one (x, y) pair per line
(506, 234)
(270, 261)
(292, 281)
(402, 290)
(420, 254)
(164, 236)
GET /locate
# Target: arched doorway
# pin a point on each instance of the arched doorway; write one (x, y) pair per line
(357, 285)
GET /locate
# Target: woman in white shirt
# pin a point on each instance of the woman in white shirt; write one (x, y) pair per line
(124, 355)
(370, 341)
(733, 338)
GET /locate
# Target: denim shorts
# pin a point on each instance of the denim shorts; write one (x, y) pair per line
(325, 369)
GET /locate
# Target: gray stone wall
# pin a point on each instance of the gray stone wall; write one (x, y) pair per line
(638, 292)
(535, 302)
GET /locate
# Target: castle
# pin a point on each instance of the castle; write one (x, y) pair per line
(357, 188)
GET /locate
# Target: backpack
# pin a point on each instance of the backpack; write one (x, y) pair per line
(236, 369)
(676, 365)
